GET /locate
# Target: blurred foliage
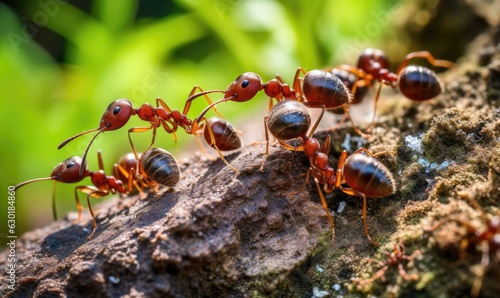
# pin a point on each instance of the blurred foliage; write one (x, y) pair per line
(141, 50)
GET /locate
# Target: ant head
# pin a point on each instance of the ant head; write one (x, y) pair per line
(68, 171)
(117, 114)
(372, 60)
(244, 88)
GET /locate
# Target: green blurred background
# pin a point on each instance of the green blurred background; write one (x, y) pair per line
(63, 62)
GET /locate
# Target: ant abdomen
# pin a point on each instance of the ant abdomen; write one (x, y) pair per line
(349, 79)
(322, 88)
(225, 135)
(160, 166)
(288, 119)
(418, 83)
(372, 60)
(367, 175)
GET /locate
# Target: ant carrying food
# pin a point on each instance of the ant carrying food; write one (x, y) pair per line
(118, 113)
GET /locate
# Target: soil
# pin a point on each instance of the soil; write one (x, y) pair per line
(251, 234)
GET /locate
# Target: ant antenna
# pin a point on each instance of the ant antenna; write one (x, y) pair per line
(84, 158)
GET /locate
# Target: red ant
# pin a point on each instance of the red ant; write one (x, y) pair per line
(319, 89)
(364, 174)
(417, 83)
(394, 259)
(118, 113)
(69, 170)
(485, 238)
(158, 167)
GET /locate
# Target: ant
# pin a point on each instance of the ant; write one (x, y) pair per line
(158, 167)
(363, 173)
(486, 238)
(394, 259)
(417, 83)
(319, 89)
(69, 170)
(118, 113)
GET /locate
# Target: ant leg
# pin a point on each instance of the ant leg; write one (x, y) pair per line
(198, 139)
(118, 169)
(313, 129)
(325, 207)
(213, 143)
(95, 194)
(78, 205)
(375, 105)
(54, 209)
(296, 84)
(485, 261)
(140, 129)
(428, 56)
(192, 96)
(353, 192)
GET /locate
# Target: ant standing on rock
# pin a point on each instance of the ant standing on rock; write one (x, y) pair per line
(118, 113)
(69, 170)
(159, 167)
(364, 175)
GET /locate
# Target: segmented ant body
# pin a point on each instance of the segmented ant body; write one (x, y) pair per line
(485, 238)
(317, 89)
(364, 175)
(69, 170)
(396, 258)
(118, 113)
(417, 83)
(160, 166)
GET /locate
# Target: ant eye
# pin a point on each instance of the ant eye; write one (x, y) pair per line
(116, 110)
(245, 83)
(70, 164)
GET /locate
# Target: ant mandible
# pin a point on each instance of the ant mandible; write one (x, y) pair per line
(69, 170)
(417, 83)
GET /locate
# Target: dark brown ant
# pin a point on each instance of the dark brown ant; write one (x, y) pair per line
(118, 113)
(396, 258)
(68, 171)
(485, 238)
(417, 83)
